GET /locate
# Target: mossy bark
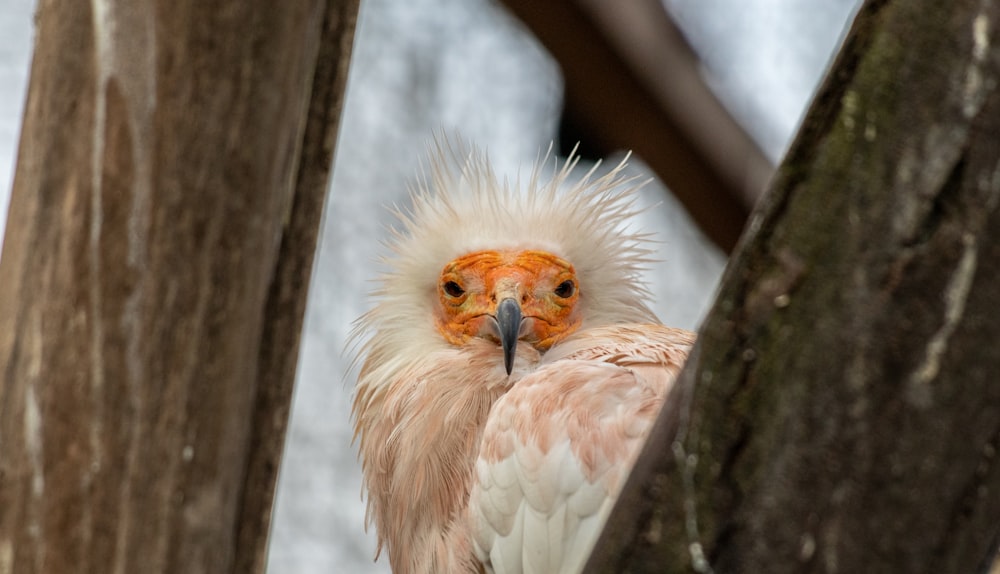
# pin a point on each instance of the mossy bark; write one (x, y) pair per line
(841, 411)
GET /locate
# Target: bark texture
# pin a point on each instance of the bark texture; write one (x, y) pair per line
(841, 411)
(166, 202)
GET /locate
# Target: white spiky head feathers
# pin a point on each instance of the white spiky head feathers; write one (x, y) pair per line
(463, 208)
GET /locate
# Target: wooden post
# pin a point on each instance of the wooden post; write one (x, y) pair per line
(159, 243)
(841, 411)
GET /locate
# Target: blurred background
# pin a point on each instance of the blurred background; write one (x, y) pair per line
(707, 93)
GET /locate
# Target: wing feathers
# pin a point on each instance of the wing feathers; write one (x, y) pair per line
(558, 446)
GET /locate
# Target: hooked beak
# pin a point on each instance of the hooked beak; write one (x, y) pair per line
(508, 320)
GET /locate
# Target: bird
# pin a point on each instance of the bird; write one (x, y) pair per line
(510, 365)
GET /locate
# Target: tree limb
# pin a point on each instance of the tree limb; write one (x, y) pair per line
(840, 411)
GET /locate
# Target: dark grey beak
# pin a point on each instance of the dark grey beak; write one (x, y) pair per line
(509, 323)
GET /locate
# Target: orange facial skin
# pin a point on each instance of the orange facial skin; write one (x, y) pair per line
(545, 286)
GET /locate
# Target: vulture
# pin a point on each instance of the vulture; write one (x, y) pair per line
(511, 367)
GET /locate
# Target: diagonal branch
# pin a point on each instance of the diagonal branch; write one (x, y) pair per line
(839, 411)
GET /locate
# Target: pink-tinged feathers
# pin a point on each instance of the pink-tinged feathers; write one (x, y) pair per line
(419, 435)
(560, 443)
(468, 469)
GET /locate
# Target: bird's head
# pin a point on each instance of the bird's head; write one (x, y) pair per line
(507, 296)
(479, 259)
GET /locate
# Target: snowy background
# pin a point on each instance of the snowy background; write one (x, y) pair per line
(425, 65)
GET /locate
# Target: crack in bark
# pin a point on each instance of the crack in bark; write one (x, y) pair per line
(955, 295)
(935, 214)
(975, 88)
(687, 464)
(728, 530)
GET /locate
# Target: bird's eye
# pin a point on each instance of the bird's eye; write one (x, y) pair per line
(565, 289)
(453, 289)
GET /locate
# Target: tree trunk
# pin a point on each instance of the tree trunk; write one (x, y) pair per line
(841, 411)
(170, 179)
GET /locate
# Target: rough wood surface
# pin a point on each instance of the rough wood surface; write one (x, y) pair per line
(161, 230)
(841, 412)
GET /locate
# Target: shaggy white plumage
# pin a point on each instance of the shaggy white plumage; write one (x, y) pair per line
(456, 452)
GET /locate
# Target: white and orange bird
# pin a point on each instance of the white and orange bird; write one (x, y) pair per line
(512, 369)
